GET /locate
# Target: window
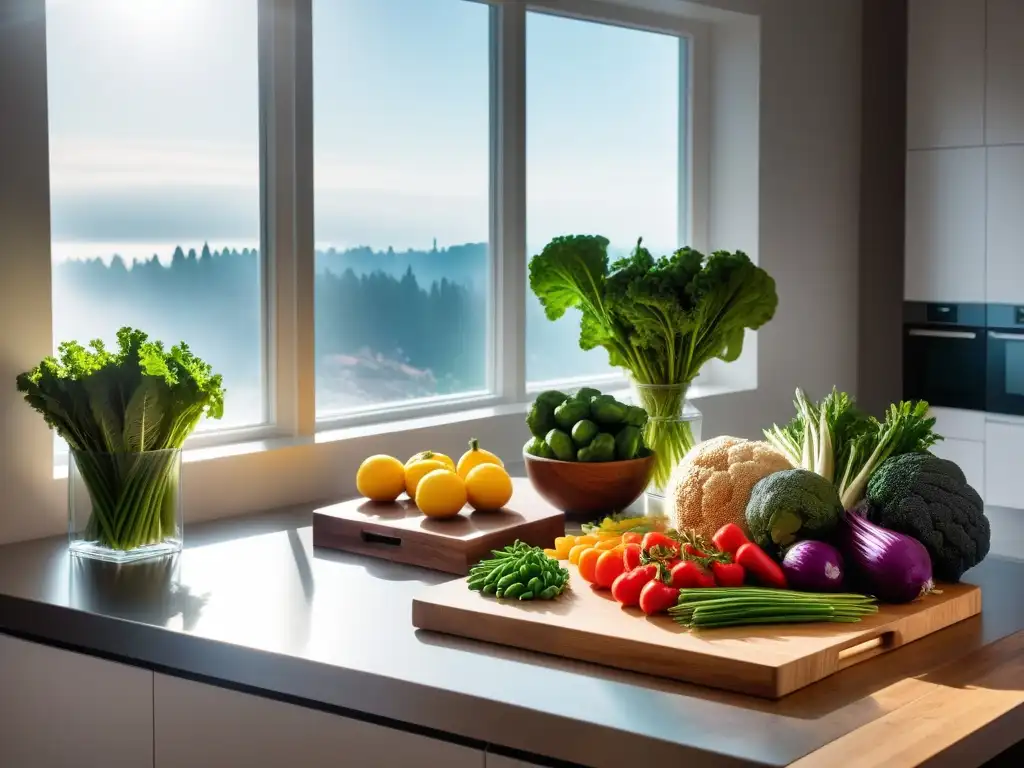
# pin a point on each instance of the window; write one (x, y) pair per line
(333, 202)
(603, 134)
(401, 105)
(155, 180)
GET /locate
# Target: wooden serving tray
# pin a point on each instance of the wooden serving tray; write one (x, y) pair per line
(398, 531)
(768, 661)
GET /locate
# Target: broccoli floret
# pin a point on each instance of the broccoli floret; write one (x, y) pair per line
(791, 505)
(928, 498)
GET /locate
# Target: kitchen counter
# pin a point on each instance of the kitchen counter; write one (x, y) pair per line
(251, 605)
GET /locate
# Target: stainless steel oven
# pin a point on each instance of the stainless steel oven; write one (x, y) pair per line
(1005, 375)
(944, 359)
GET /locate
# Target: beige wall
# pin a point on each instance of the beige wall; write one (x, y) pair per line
(809, 207)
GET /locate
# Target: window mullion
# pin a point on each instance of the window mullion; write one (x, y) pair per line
(508, 198)
(287, 106)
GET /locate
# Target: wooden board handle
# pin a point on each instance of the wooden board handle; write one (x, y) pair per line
(867, 649)
(370, 537)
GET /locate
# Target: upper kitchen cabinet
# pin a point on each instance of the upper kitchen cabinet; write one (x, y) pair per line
(1004, 100)
(1005, 272)
(945, 225)
(946, 73)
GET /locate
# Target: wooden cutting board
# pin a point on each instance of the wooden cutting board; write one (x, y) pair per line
(398, 531)
(767, 661)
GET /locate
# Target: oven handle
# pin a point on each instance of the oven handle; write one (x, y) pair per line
(1006, 336)
(944, 334)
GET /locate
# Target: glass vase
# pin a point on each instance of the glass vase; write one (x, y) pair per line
(672, 429)
(124, 506)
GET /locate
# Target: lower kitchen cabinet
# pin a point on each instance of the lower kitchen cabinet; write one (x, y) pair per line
(1004, 468)
(969, 455)
(59, 709)
(202, 726)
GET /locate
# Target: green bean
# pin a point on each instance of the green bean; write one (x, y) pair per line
(489, 589)
(548, 593)
(535, 585)
(507, 581)
(526, 596)
(516, 590)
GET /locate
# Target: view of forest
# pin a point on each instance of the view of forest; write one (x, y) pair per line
(390, 325)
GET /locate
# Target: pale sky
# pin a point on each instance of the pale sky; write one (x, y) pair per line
(155, 127)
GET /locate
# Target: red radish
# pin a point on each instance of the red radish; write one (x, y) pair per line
(760, 566)
(631, 556)
(690, 574)
(657, 597)
(729, 538)
(627, 587)
(728, 574)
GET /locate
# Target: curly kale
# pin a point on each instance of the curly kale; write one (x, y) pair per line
(139, 398)
(928, 498)
(661, 318)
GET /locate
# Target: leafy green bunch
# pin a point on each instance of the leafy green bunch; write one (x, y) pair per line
(838, 441)
(139, 398)
(660, 318)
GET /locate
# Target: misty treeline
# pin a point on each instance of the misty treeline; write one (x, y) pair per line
(421, 309)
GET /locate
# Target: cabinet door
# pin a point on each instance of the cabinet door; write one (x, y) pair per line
(1004, 100)
(202, 726)
(945, 238)
(969, 456)
(946, 73)
(1005, 258)
(59, 709)
(1004, 483)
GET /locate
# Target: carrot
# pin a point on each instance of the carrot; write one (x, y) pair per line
(588, 564)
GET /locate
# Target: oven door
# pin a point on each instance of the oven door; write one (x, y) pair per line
(945, 366)
(1006, 372)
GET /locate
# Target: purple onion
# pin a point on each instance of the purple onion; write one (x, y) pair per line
(895, 567)
(813, 566)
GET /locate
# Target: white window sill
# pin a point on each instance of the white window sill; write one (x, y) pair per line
(269, 445)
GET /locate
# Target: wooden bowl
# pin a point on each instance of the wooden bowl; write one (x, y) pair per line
(583, 489)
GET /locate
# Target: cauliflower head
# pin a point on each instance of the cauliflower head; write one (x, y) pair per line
(712, 484)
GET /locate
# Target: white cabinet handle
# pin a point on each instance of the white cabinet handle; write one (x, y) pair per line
(1006, 336)
(942, 334)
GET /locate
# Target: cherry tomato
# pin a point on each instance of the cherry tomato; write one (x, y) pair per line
(688, 574)
(588, 564)
(728, 574)
(658, 539)
(578, 549)
(632, 538)
(657, 597)
(631, 556)
(608, 568)
(729, 538)
(627, 587)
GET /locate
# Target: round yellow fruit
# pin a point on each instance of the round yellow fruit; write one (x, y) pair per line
(474, 457)
(441, 493)
(434, 455)
(417, 470)
(381, 478)
(488, 486)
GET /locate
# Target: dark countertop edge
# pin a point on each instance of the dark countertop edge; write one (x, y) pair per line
(375, 699)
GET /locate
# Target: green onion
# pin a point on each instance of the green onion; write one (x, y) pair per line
(712, 607)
